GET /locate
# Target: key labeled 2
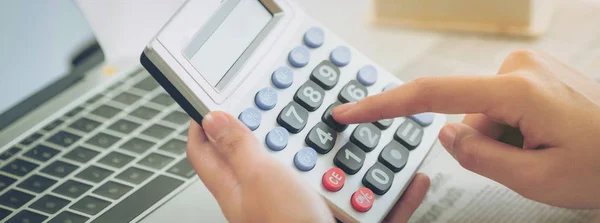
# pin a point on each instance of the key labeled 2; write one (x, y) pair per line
(321, 138)
(310, 95)
(366, 136)
(326, 75)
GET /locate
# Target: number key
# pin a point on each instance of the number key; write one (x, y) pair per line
(293, 117)
(353, 91)
(378, 178)
(366, 136)
(349, 158)
(326, 75)
(321, 138)
(310, 96)
(329, 120)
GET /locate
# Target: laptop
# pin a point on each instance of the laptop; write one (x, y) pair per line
(81, 141)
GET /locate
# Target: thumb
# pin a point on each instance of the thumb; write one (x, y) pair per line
(506, 164)
(234, 141)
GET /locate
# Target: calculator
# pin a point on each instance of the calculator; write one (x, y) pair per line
(281, 73)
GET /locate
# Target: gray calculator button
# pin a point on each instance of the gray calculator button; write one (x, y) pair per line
(266, 98)
(37, 183)
(379, 179)
(124, 126)
(49, 204)
(156, 161)
(251, 117)
(72, 189)
(15, 199)
(137, 145)
(106, 111)
(41, 153)
(134, 175)
(394, 156)
(116, 159)
(277, 139)
(330, 121)
(90, 205)
(366, 136)
(283, 77)
(314, 37)
(293, 117)
(409, 134)
(384, 124)
(321, 138)
(81, 154)
(340, 56)
(326, 75)
(19, 167)
(94, 174)
(353, 91)
(310, 95)
(59, 169)
(26, 216)
(350, 158)
(69, 217)
(424, 119)
(299, 56)
(85, 124)
(112, 190)
(126, 98)
(367, 75)
(144, 112)
(103, 140)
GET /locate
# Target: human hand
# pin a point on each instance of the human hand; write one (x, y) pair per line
(534, 127)
(250, 186)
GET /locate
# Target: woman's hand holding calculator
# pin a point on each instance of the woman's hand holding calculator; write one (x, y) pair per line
(251, 187)
(534, 127)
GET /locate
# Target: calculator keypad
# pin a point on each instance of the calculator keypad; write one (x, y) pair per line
(326, 75)
(293, 117)
(321, 138)
(310, 95)
(352, 92)
(409, 134)
(350, 158)
(330, 121)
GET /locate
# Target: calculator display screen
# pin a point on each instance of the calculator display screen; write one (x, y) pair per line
(225, 38)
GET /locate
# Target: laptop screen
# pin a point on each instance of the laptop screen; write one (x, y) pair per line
(39, 39)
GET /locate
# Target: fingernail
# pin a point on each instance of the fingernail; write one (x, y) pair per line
(215, 124)
(447, 136)
(343, 108)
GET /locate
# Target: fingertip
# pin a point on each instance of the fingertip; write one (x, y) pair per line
(340, 112)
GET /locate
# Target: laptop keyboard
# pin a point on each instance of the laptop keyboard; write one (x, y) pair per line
(107, 160)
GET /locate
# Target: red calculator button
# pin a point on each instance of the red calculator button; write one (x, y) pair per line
(362, 200)
(334, 179)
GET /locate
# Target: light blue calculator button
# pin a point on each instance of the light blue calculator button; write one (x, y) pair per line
(340, 56)
(277, 139)
(283, 77)
(305, 159)
(390, 86)
(367, 75)
(424, 119)
(251, 117)
(266, 98)
(314, 37)
(299, 56)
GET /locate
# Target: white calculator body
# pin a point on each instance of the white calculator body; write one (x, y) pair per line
(281, 72)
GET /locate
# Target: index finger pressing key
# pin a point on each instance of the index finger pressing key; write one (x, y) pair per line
(493, 95)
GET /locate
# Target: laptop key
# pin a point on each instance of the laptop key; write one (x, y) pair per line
(183, 168)
(124, 126)
(94, 174)
(53, 125)
(134, 175)
(59, 169)
(6, 181)
(163, 99)
(4, 213)
(116, 159)
(85, 124)
(81, 154)
(148, 84)
(64, 139)
(74, 112)
(15, 199)
(72, 189)
(158, 131)
(174, 146)
(69, 217)
(9, 153)
(26, 216)
(41, 153)
(95, 98)
(144, 112)
(103, 140)
(137, 145)
(184, 132)
(37, 183)
(155, 161)
(31, 139)
(19, 167)
(91, 205)
(126, 98)
(112, 190)
(49, 204)
(106, 111)
(178, 117)
(140, 200)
